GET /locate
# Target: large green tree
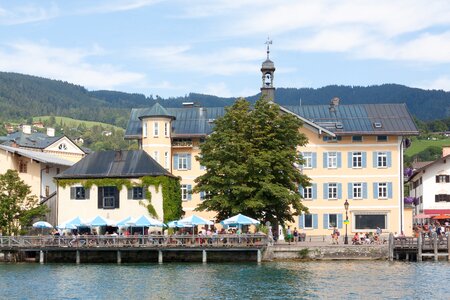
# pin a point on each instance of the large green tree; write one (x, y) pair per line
(251, 163)
(18, 208)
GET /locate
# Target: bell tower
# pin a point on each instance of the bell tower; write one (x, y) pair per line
(267, 70)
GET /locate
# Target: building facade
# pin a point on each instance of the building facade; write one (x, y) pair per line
(430, 185)
(354, 153)
(110, 184)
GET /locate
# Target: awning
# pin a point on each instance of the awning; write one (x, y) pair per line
(422, 216)
(436, 211)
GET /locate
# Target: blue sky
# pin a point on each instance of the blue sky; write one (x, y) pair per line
(173, 47)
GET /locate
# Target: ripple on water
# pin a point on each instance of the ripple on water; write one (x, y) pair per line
(277, 280)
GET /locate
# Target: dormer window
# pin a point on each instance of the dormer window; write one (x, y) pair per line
(62, 147)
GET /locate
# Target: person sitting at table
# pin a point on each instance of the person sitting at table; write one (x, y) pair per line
(356, 240)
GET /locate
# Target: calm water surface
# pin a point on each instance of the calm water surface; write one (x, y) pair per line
(278, 280)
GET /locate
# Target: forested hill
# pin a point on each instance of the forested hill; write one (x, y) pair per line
(24, 96)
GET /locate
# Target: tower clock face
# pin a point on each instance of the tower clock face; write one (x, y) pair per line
(267, 79)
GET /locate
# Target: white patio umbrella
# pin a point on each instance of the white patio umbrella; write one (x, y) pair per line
(42, 225)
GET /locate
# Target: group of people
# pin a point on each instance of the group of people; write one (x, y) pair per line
(427, 230)
(368, 237)
(294, 236)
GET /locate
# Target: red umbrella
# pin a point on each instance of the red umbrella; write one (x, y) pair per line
(441, 217)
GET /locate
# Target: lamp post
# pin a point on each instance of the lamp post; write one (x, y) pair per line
(346, 221)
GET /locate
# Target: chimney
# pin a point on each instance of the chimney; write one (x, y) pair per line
(26, 129)
(445, 151)
(51, 131)
(335, 101)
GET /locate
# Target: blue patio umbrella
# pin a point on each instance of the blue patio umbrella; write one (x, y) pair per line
(101, 221)
(175, 224)
(123, 223)
(239, 220)
(143, 221)
(42, 225)
(72, 223)
(194, 220)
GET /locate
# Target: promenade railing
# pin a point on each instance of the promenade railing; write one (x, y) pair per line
(147, 241)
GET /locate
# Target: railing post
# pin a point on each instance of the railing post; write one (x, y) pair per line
(119, 257)
(204, 257)
(448, 247)
(419, 247)
(258, 256)
(435, 246)
(41, 257)
(160, 257)
(391, 246)
(78, 257)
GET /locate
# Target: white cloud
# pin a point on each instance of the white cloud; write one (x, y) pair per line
(118, 5)
(217, 89)
(440, 83)
(27, 14)
(64, 64)
(224, 62)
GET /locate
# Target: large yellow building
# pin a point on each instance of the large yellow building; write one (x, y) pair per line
(354, 153)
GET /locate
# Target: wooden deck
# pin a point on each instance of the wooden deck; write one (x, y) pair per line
(49, 248)
(411, 248)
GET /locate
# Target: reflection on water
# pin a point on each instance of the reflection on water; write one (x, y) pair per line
(277, 280)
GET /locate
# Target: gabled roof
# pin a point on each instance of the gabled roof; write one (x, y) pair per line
(42, 157)
(353, 119)
(439, 160)
(157, 110)
(33, 140)
(115, 164)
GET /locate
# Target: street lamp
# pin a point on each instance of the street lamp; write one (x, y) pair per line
(346, 221)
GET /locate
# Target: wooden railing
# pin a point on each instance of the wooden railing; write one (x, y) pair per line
(147, 241)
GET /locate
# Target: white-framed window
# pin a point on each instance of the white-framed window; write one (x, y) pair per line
(357, 160)
(332, 191)
(182, 161)
(155, 129)
(166, 160)
(442, 178)
(382, 190)
(109, 199)
(332, 221)
(156, 156)
(357, 191)
(166, 129)
(186, 192)
(307, 193)
(79, 193)
(308, 223)
(144, 129)
(332, 160)
(381, 159)
(369, 221)
(307, 160)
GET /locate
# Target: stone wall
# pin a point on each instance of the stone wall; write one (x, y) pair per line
(329, 252)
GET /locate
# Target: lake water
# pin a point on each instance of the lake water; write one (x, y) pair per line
(273, 280)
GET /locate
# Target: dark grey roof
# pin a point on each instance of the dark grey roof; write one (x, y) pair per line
(34, 140)
(375, 119)
(115, 164)
(39, 156)
(157, 111)
(192, 121)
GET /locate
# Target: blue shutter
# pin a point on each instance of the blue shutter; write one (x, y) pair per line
(73, 193)
(364, 159)
(375, 159)
(175, 162)
(188, 161)
(339, 160)
(339, 188)
(389, 159)
(350, 190)
(350, 161)
(315, 221)
(300, 190)
(189, 192)
(389, 189)
(202, 195)
(325, 221)
(364, 187)
(314, 160)
(325, 191)
(130, 193)
(375, 190)
(325, 160)
(87, 193)
(339, 221)
(301, 221)
(314, 191)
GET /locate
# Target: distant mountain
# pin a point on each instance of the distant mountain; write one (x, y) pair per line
(25, 96)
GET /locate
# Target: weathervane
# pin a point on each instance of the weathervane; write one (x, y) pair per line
(268, 42)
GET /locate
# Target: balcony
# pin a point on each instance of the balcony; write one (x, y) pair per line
(182, 143)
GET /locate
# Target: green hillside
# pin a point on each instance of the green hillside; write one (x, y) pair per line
(66, 121)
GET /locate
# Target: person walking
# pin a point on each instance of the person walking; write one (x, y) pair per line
(289, 234)
(295, 235)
